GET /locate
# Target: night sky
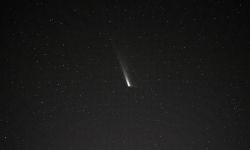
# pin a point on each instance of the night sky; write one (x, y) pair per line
(66, 69)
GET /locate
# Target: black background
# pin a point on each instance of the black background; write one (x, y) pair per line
(62, 87)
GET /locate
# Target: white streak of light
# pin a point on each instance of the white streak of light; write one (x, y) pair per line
(127, 79)
(125, 74)
(124, 71)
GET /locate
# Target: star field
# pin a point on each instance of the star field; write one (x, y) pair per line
(63, 86)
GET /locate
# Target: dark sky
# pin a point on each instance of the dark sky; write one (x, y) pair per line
(62, 86)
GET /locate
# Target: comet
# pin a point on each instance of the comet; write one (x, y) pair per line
(122, 63)
(127, 80)
(125, 74)
(124, 71)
